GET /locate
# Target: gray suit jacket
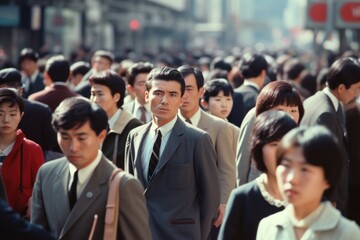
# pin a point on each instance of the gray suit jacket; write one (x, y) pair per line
(319, 110)
(50, 206)
(222, 140)
(183, 195)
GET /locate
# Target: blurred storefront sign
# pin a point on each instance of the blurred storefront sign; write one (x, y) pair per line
(346, 14)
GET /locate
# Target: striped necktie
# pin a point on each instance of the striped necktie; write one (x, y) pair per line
(154, 159)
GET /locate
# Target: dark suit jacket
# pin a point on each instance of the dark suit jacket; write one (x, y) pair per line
(51, 205)
(183, 195)
(244, 100)
(53, 95)
(36, 86)
(36, 125)
(15, 227)
(85, 90)
(117, 136)
(319, 110)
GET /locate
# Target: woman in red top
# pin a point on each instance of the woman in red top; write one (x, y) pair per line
(20, 157)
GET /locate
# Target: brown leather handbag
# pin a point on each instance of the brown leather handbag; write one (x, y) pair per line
(112, 207)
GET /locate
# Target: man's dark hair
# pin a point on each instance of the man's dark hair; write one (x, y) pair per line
(186, 70)
(138, 68)
(28, 53)
(113, 81)
(58, 68)
(74, 112)
(80, 67)
(344, 71)
(9, 95)
(292, 69)
(251, 65)
(319, 147)
(165, 74)
(219, 63)
(214, 86)
(268, 127)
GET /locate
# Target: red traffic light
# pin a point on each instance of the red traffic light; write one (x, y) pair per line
(134, 24)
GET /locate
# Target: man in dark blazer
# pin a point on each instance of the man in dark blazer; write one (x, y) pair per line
(33, 79)
(326, 108)
(218, 130)
(178, 169)
(70, 193)
(36, 121)
(253, 68)
(56, 73)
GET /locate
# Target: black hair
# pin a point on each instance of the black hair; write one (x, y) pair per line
(79, 68)
(165, 74)
(344, 71)
(319, 147)
(268, 127)
(251, 65)
(104, 54)
(214, 86)
(58, 68)
(113, 81)
(74, 112)
(10, 95)
(187, 70)
(136, 69)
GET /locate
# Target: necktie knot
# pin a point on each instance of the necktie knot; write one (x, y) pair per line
(188, 120)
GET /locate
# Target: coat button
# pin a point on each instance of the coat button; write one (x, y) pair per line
(89, 194)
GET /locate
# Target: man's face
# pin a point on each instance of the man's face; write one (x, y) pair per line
(101, 95)
(349, 95)
(164, 99)
(28, 66)
(140, 87)
(80, 145)
(191, 96)
(100, 64)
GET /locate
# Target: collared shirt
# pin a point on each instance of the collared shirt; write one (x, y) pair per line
(137, 110)
(84, 174)
(250, 83)
(333, 99)
(114, 118)
(7, 150)
(195, 119)
(150, 140)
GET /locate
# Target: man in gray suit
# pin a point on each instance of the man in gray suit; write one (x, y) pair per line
(326, 108)
(218, 130)
(175, 162)
(69, 192)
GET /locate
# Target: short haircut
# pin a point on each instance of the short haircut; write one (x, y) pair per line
(80, 68)
(319, 147)
(138, 68)
(217, 73)
(268, 127)
(219, 63)
(292, 69)
(74, 112)
(214, 86)
(58, 68)
(10, 95)
(165, 74)
(344, 71)
(187, 70)
(29, 54)
(251, 65)
(278, 93)
(104, 54)
(113, 81)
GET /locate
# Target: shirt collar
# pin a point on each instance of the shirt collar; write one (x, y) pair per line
(85, 173)
(195, 119)
(165, 128)
(114, 118)
(137, 105)
(7, 150)
(34, 76)
(333, 99)
(250, 83)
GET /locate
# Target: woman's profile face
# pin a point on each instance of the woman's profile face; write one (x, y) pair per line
(10, 117)
(301, 183)
(293, 111)
(268, 152)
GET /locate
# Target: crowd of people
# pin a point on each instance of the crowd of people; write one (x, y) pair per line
(247, 146)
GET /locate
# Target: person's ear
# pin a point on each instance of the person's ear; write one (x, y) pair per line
(102, 135)
(130, 90)
(201, 92)
(117, 97)
(204, 104)
(146, 96)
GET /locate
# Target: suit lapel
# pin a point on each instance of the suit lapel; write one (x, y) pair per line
(60, 194)
(203, 122)
(138, 146)
(90, 194)
(171, 146)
